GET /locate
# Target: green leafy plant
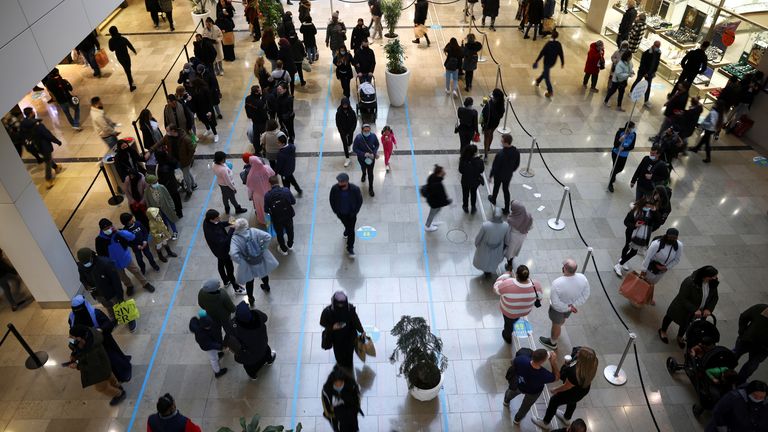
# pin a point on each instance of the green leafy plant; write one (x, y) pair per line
(199, 6)
(391, 11)
(395, 57)
(271, 12)
(422, 352)
(253, 426)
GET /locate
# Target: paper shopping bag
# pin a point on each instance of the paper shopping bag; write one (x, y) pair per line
(126, 311)
(636, 289)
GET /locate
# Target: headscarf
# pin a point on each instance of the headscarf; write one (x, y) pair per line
(243, 313)
(519, 218)
(258, 176)
(82, 312)
(496, 217)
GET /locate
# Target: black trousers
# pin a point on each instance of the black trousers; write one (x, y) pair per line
(680, 331)
(706, 141)
(619, 166)
(288, 125)
(627, 253)
(345, 86)
(249, 287)
(126, 64)
(253, 369)
(226, 270)
(228, 196)
(468, 76)
(367, 172)
(147, 252)
(209, 122)
(289, 181)
(346, 141)
(616, 86)
(469, 193)
(344, 354)
(176, 202)
(504, 184)
(509, 324)
(349, 222)
(587, 77)
(283, 228)
(556, 401)
(465, 138)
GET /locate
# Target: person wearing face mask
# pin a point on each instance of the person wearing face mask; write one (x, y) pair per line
(649, 63)
(342, 329)
(697, 298)
(140, 244)
(752, 339)
(213, 32)
(343, 63)
(104, 126)
(742, 410)
(346, 123)
(365, 62)
(158, 196)
(341, 401)
(335, 34)
(639, 224)
(169, 419)
(663, 253)
(649, 172)
(256, 110)
(366, 147)
(114, 244)
(84, 314)
(346, 201)
(623, 143)
(434, 192)
(282, 106)
(91, 359)
(101, 279)
(218, 236)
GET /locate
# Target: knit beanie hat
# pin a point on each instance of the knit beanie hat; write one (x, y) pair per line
(243, 312)
(84, 255)
(150, 179)
(104, 223)
(211, 285)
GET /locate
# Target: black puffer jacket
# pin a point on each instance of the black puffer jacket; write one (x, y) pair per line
(435, 192)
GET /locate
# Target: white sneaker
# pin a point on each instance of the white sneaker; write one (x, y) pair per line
(617, 270)
(240, 291)
(346, 163)
(561, 416)
(540, 423)
(625, 268)
(282, 252)
(207, 132)
(447, 91)
(388, 168)
(216, 138)
(430, 228)
(647, 105)
(455, 93)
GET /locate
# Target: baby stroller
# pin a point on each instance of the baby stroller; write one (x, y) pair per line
(366, 95)
(703, 332)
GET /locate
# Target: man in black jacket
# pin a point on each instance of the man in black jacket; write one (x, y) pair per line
(38, 137)
(100, 278)
(626, 22)
(346, 123)
(204, 50)
(61, 90)
(87, 48)
(218, 235)
(359, 33)
(365, 62)
(752, 340)
(505, 163)
(256, 110)
(693, 64)
(346, 201)
(651, 171)
(649, 63)
(279, 202)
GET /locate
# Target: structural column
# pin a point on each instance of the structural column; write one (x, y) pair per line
(28, 235)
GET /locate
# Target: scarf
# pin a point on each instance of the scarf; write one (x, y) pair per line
(519, 218)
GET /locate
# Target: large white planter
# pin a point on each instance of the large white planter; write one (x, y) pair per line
(397, 87)
(196, 19)
(428, 394)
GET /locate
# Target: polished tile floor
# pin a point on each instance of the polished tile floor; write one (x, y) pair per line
(719, 208)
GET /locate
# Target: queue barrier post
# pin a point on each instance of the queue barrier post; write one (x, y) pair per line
(613, 373)
(556, 223)
(528, 172)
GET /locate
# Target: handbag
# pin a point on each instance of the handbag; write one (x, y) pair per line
(326, 341)
(234, 345)
(476, 137)
(179, 174)
(126, 311)
(367, 345)
(101, 58)
(640, 237)
(636, 289)
(652, 267)
(306, 66)
(228, 38)
(360, 349)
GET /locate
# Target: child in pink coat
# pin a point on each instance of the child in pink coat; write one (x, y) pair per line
(389, 142)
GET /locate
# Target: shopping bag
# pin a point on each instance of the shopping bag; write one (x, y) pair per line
(420, 30)
(305, 66)
(126, 311)
(548, 24)
(476, 137)
(270, 225)
(228, 38)
(367, 345)
(179, 174)
(360, 349)
(636, 289)
(101, 58)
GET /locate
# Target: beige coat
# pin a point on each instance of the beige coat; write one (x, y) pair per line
(216, 35)
(157, 228)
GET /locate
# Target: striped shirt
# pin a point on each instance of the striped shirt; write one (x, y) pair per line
(516, 298)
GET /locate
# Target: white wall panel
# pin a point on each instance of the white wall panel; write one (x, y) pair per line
(21, 67)
(55, 43)
(13, 175)
(35, 9)
(97, 10)
(12, 21)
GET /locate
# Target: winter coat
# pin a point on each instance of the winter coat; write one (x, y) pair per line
(535, 11)
(157, 227)
(505, 163)
(158, 196)
(218, 305)
(286, 160)
(252, 337)
(514, 241)
(694, 62)
(207, 335)
(173, 423)
(273, 198)
(205, 51)
(115, 247)
(734, 412)
(92, 360)
(468, 119)
(471, 171)
(657, 169)
(202, 102)
(181, 148)
(342, 407)
(649, 63)
(256, 110)
(252, 243)
(365, 61)
(470, 55)
(337, 205)
(359, 34)
(489, 245)
(688, 299)
(420, 12)
(60, 89)
(213, 85)
(626, 21)
(493, 112)
(622, 72)
(362, 145)
(176, 116)
(309, 31)
(270, 144)
(335, 35)
(594, 57)
(150, 132)
(347, 335)
(346, 119)
(216, 35)
(218, 238)
(127, 160)
(753, 326)
(490, 8)
(36, 131)
(298, 52)
(435, 192)
(636, 35)
(101, 279)
(152, 5)
(165, 5)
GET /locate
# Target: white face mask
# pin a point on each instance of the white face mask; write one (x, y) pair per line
(754, 399)
(108, 231)
(72, 341)
(87, 265)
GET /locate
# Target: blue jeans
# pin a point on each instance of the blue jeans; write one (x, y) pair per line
(65, 106)
(90, 57)
(168, 222)
(110, 141)
(312, 54)
(452, 75)
(545, 76)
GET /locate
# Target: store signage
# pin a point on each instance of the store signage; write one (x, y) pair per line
(639, 91)
(725, 34)
(366, 233)
(523, 328)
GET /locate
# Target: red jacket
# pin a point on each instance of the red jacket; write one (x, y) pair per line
(593, 59)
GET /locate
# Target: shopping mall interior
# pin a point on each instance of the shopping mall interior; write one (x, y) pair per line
(399, 269)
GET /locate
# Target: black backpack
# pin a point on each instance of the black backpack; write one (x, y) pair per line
(511, 375)
(280, 208)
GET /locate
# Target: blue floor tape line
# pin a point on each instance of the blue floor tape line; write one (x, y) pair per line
(183, 269)
(422, 237)
(305, 295)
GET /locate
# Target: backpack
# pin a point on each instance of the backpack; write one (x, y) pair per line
(279, 208)
(30, 139)
(424, 191)
(511, 375)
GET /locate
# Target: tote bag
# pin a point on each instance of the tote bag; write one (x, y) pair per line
(636, 289)
(126, 311)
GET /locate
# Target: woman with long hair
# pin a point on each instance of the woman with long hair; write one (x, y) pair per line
(258, 185)
(260, 73)
(134, 187)
(471, 49)
(520, 222)
(663, 254)
(343, 63)
(341, 401)
(639, 223)
(202, 106)
(471, 169)
(577, 379)
(453, 54)
(492, 113)
(697, 298)
(150, 128)
(269, 46)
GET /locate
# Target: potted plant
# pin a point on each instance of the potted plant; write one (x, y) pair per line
(391, 10)
(201, 9)
(271, 11)
(423, 360)
(397, 74)
(253, 426)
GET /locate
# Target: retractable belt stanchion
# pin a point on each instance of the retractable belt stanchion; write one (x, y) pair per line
(115, 199)
(613, 373)
(503, 129)
(528, 172)
(36, 359)
(556, 223)
(586, 261)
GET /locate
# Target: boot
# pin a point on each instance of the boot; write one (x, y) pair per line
(171, 253)
(49, 184)
(426, 36)
(161, 256)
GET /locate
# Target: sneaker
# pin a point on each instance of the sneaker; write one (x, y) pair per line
(455, 93)
(148, 286)
(216, 138)
(156, 267)
(625, 268)
(515, 420)
(219, 117)
(265, 288)
(363, 178)
(561, 416)
(132, 326)
(447, 91)
(351, 253)
(647, 105)
(617, 270)
(220, 373)
(346, 163)
(171, 253)
(610, 187)
(240, 290)
(547, 342)
(207, 132)
(430, 228)
(274, 357)
(282, 252)
(388, 168)
(370, 192)
(505, 403)
(540, 423)
(175, 236)
(117, 399)
(548, 94)
(240, 210)
(77, 128)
